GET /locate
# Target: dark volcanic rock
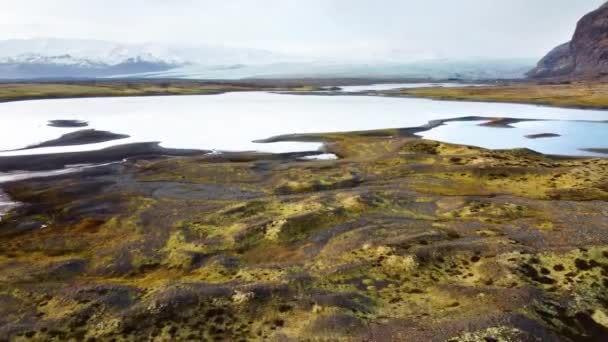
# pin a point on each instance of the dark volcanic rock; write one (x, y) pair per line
(67, 123)
(543, 135)
(585, 56)
(82, 137)
(596, 150)
(107, 155)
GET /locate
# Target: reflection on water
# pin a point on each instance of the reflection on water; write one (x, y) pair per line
(232, 121)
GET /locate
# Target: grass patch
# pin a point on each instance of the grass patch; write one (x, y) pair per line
(576, 95)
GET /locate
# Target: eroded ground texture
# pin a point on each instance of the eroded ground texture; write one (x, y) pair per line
(401, 239)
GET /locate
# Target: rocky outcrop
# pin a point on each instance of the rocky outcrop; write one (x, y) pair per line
(585, 57)
(558, 62)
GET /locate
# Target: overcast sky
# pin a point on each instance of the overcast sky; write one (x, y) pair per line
(443, 28)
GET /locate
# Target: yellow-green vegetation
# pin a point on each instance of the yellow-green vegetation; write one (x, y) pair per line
(401, 239)
(50, 90)
(579, 95)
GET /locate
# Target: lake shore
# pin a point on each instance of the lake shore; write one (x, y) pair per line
(570, 95)
(590, 95)
(21, 91)
(50, 89)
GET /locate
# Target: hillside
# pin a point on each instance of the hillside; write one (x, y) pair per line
(585, 57)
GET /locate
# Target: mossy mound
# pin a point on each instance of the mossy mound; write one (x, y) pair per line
(400, 239)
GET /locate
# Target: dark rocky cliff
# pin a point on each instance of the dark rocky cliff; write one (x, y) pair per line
(585, 57)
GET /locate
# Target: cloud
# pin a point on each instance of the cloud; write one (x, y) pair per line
(500, 28)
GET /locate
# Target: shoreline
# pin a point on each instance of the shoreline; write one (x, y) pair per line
(517, 91)
(549, 105)
(114, 153)
(53, 90)
(583, 95)
(43, 98)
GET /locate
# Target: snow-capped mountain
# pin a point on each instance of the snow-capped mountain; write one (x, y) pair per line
(82, 58)
(56, 58)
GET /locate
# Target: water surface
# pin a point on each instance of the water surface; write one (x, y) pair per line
(573, 136)
(232, 121)
(392, 86)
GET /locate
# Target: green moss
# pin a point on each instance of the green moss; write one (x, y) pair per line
(577, 95)
(24, 91)
(398, 230)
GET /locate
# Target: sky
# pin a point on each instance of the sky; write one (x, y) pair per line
(424, 29)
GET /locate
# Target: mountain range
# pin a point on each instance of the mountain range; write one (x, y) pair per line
(81, 58)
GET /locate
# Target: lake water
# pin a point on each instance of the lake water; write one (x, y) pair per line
(390, 86)
(574, 136)
(232, 121)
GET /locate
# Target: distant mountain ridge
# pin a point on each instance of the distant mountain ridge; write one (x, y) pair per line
(56, 58)
(81, 58)
(66, 66)
(585, 57)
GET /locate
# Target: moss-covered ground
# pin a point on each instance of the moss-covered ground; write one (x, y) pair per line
(400, 239)
(577, 95)
(52, 90)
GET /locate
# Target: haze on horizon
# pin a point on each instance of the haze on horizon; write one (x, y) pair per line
(330, 28)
